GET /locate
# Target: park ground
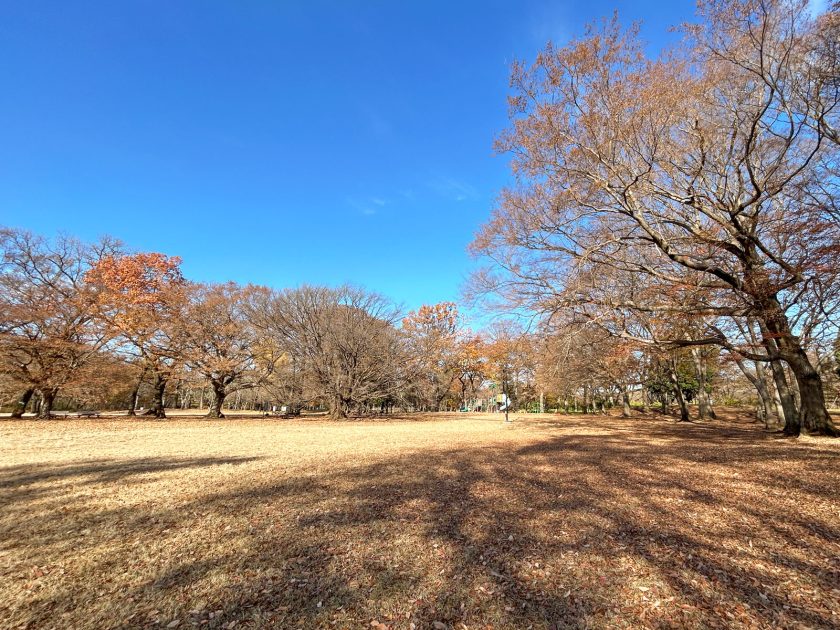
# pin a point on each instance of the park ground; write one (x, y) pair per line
(436, 521)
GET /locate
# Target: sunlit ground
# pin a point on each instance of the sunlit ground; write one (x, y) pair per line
(446, 521)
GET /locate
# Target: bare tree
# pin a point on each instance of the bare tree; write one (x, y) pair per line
(704, 169)
(215, 338)
(433, 336)
(48, 328)
(344, 339)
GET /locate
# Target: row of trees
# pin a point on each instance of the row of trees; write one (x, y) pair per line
(686, 205)
(102, 326)
(92, 325)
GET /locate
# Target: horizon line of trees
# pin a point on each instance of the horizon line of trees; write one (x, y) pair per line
(93, 325)
(101, 326)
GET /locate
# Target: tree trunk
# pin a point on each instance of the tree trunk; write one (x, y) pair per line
(684, 415)
(132, 399)
(786, 407)
(47, 400)
(338, 410)
(23, 401)
(704, 400)
(219, 394)
(765, 394)
(158, 409)
(777, 403)
(625, 402)
(439, 401)
(678, 393)
(790, 412)
(813, 415)
(759, 382)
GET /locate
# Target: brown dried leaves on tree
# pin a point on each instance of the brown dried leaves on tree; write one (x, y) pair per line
(712, 167)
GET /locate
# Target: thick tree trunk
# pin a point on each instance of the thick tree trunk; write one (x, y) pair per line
(777, 403)
(47, 401)
(813, 415)
(338, 409)
(684, 415)
(704, 400)
(132, 398)
(158, 409)
(219, 394)
(625, 402)
(790, 410)
(22, 402)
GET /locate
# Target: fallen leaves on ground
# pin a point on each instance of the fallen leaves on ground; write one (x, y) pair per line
(457, 521)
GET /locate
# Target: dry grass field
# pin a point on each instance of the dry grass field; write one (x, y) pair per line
(428, 522)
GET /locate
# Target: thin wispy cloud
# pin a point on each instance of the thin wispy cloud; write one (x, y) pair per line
(368, 206)
(453, 188)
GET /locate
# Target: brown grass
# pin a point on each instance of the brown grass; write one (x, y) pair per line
(455, 522)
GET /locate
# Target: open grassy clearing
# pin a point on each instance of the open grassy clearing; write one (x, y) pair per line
(451, 522)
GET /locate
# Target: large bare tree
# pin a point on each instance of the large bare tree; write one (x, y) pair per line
(342, 338)
(710, 167)
(215, 338)
(48, 328)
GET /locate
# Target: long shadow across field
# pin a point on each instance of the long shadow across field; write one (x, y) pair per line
(105, 470)
(646, 524)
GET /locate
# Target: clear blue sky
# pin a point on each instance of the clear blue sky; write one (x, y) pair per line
(274, 142)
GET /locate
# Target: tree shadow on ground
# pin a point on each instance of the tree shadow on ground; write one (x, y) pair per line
(655, 525)
(104, 470)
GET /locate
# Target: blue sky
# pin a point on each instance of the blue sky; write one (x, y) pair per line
(274, 142)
